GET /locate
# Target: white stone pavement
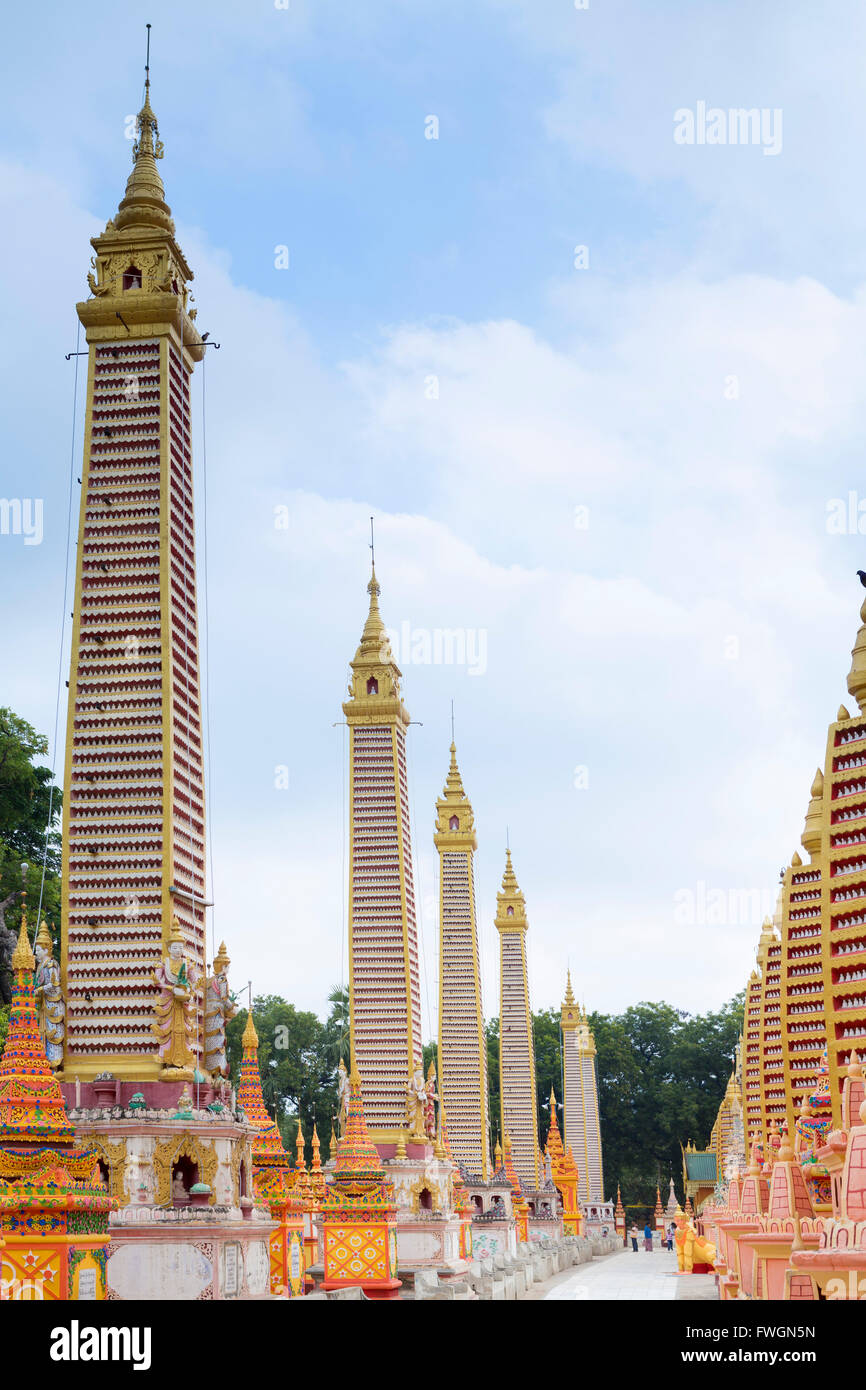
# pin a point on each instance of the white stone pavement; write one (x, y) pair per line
(624, 1275)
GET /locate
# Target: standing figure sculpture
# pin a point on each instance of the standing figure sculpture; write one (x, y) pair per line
(430, 1103)
(219, 1009)
(416, 1107)
(342, 1095)
(175, 1018)
(50, 1005)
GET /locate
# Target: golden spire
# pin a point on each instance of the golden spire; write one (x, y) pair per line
(375, 676)
(857, 674)
(455, 819)
(22, 956)
(569, 1000)
(510, 902)
(811, 837)
(143, 204)
(299, 1148)
(250, 1037)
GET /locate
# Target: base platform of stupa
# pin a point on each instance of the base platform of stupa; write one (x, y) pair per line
(177, 1160)
(427, 1225)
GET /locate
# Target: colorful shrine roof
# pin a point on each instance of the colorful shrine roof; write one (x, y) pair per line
(700, 1166)
(554, 1138)
(268, 1144)
(32, 1109)
(41, 1166)
(358, 1185)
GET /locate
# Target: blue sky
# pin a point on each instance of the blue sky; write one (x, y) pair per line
(658, 680)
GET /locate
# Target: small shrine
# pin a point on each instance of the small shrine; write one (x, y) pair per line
(273, 1180)
(54, 1204)
(358, 1216)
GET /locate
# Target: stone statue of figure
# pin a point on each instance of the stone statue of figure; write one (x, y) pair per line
(343, 1095)
(430, 1103)
(219, 1009)
(416, 1105)
(50, 1005)
(175, 1023)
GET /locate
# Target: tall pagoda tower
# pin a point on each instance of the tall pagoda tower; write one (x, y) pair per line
(804, 1032)
(580, 1099)
(462, 1044)
(516, 1046)
(843, 885)
(384, 988)
(133, 806)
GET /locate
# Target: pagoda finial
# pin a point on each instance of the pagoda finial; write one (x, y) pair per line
(454, 814)
(857, 674)
(510, 902)
(569, 992)
(250, 1037)
(22, 956)
(143, 204)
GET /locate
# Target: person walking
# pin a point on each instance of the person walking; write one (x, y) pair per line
(648, 1237)
(671, 1229)
(633, 1234)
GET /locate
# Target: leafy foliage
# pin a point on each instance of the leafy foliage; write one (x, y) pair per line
(662, 1074)
(26, 793)
(298, 1060)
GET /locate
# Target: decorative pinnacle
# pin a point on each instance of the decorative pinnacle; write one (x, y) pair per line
(250, 1037)
(143, 204)
(569, 992)
(510, 902)
(857, 674)
(22, 956)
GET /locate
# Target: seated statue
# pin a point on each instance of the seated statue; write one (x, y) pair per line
(692, 1248)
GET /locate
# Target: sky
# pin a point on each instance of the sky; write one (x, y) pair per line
(600, 386)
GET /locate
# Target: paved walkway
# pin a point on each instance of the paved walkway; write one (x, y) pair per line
(626, 1275)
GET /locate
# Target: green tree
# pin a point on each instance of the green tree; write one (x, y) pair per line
(29, 820)
(548, 1066)
(298, 1060)
(661, 1074)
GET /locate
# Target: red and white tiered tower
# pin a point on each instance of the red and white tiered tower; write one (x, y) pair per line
(516, 1045)
(462, 1043)
(133, 811)
(384, 990)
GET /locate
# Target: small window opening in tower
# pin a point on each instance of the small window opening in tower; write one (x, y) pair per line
(454, 823)
(132, 278)
(103, 1171)
(509, 912)
(372, 686)
(425, 1199)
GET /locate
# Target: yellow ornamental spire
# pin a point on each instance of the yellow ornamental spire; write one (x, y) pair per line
(374, 686)
(811, 837)
(569, 1000)
(857, 674)
(455, 819)
(143, 204)
(510, 902)
(250, 1037)
(22, 956)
